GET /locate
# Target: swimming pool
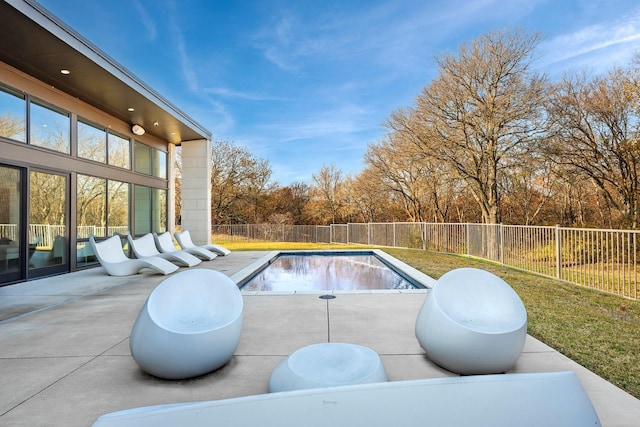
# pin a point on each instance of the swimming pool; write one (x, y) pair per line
(302, 271)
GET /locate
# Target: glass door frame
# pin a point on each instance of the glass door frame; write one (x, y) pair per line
(63, 267)
(18, 275)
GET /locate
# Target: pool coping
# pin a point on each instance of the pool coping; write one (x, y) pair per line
(242, 276)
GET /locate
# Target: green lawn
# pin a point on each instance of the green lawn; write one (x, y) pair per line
(598, 330)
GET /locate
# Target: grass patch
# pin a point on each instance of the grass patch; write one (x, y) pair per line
(597, 330)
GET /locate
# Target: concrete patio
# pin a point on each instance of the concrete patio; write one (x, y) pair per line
(65, 360)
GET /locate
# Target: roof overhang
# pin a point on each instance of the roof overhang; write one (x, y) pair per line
(35, 42)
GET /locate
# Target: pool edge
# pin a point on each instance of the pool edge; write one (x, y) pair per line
(244, 275)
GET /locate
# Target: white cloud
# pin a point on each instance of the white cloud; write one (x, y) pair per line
(598, 46)
(228, 93)
(146, 19)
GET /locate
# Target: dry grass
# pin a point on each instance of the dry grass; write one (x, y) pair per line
(598, 330)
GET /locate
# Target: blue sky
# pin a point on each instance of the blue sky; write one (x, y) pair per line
(307, 83)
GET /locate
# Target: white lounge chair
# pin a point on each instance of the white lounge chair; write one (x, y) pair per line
(112, 258)
(523, 400)
(184, 240)
(189, 326)
(145, 246)
(472, 322)
(164, 242)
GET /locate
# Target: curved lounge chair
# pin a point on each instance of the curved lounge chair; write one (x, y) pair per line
(112, 258)
(189, 326)
(145, 246)
(164, 242)
(184, 240)
(472, 322)
(523, 400)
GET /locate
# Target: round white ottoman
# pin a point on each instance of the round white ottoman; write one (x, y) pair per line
(327, 365)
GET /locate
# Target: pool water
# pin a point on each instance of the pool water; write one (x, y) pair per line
(326, 272)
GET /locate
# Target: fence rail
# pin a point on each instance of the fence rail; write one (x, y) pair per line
(606, 260)
(43, 235)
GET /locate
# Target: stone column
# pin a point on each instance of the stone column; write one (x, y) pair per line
(196, 190)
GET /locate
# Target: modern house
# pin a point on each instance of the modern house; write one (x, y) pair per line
(86, 148)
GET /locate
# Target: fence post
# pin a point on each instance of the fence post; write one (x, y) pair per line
(635, 268)
(394, 234)
(424, 236)
(558, 253)
(368, 233)
(466, 227)
(501, 243)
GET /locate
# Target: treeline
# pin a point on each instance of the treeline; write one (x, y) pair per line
(489, 140)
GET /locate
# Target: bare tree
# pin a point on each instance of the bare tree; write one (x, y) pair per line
(596, 133)
(327, 194)
(238, 182)
(288, 202)
(369, 198)
(483, 112)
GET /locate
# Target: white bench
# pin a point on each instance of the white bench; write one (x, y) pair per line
(523, 400)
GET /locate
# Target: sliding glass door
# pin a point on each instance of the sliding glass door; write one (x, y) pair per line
(48, 223)
(11, 223)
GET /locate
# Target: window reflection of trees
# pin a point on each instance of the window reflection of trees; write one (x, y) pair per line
(160, 210)
(94, 197)
(91, 206)
(92, 142)
(119, 149)
(47, 218)
(118, 215)
(49, 128)
(12, 127)
(47, 198)
(12, 116)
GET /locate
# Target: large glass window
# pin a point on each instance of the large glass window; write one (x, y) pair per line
(142, 158)
(50, 128)
(102, 210)
(13, 110)
(143, 210)
(118, 205)
(119, 151)
(150, 161)
(159, 213)
(92, 142)
(151, 210)
(159, 161)
(91, 206)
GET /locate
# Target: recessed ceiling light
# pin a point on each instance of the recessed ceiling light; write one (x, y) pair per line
(131, 109)
(65, 71)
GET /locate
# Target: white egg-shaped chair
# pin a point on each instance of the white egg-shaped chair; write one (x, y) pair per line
(472, 322)
(190, 325)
